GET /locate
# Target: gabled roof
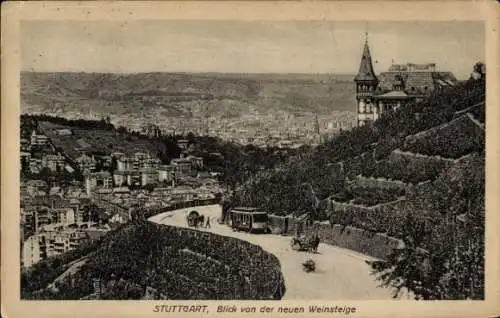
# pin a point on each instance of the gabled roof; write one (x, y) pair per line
(416, 81)
(95, 234)
(393, 94)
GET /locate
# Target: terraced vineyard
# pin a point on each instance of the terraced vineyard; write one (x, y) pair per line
(438, 154)
(453, 140)
(368, 196)
(176, 264)
(405, 167)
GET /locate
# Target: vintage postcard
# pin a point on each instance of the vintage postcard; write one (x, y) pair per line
(228, 159)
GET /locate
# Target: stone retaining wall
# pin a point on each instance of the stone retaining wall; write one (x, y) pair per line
(377, 245)
(382, 183)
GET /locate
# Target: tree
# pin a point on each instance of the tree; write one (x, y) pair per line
(149, 187)
(46, 175)
(480, 68)
(122, 130)
(114, 165)
(443, 234)
(479, 71)
(407, 267)
(134, 292)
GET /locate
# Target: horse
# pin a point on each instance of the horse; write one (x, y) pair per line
(201, 220)
(295, 241)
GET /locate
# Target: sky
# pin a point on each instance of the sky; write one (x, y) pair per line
(246, 46)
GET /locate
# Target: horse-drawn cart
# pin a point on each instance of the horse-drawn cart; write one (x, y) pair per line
(194, 219)
(302, 243)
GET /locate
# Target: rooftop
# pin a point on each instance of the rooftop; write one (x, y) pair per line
(246, 209)
(366, 72)
(411, 67)
(100, 174)
(393, 94)
(416, 81)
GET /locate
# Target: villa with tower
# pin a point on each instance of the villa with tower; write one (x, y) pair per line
(395, 88)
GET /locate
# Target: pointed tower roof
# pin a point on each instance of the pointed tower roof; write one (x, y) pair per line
(366, 72)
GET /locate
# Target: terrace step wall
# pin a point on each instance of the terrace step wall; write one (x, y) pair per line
(376, 245)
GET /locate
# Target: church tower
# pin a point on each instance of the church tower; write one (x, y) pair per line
(366, 84)
(317, 132)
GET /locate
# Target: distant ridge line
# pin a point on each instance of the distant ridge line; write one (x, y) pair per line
(187, 73)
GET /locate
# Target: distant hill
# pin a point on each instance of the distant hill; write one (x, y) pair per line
(189, 94)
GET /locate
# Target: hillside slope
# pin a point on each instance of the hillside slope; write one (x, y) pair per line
(144, 260)
(183, 94)
(417, 174)
(365, 148)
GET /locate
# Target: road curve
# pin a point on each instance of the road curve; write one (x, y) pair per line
(341, 274)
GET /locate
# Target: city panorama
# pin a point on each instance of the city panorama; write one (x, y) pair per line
(257, 160)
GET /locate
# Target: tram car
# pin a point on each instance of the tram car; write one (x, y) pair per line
(249, 219)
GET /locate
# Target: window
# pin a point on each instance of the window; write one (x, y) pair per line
(361, 106)
(260, 217)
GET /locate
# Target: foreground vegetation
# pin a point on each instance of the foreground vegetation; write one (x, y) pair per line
(174, 263)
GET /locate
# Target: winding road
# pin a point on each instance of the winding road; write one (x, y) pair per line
(340, 274)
